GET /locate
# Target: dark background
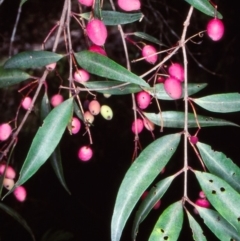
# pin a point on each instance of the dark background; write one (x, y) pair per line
(86, 213)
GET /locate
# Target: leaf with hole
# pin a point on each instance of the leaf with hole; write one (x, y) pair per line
(149, 201)
(139, 176)
(221, 103)
(218, 225)
(222, 196)
(32, 59)
(218, 164)
(175, 119)
(205, 7)
(169, 224)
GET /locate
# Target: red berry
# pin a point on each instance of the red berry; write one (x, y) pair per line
(193, 139)
(147, 52)
(203, 203)
(173, 88)
(97, 31)
(5, 131)
(85, 153)
(129, 5)
(97, 49)
(137, 126)
(160, 79)
(76, 125)
(20, 193)
(143, 99)
(56, 100)
(81, 75)
(176, 70)
(87, 3)
(10, 173)
(94, 107)
(26, 103)
(215, 29)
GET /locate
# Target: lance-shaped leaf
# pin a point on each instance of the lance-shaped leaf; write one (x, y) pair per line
(97, 13)
(159, 92)
(147, 37)
(218, 225)
(169, 224)
(46, 140)
(139, 176)
(149, 201)
(55, 158)
(112, 18)
(218, 164)
(175, 119)
(112, 87)
(196, 228)
(222, 196)
(18, 218)
(105, 67)
(205, 6)
(12, 76)
(32, 59)
(222, 103)
(77, 111)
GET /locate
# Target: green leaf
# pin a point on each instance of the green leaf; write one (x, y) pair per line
(204, 6)
(105, 67)
(123, 89)
(222, 196)
(175, 119)
(139, 176)
(196, 228)
(159, 92)
(59, 235)
(77, 111)
(18, 218)
(169, 224)
(148, 203)
(217, 224)
(46, 140)
(112, 18)
(218, 164)
(22, 2)
(12, 76)
(32, 59)
(222, 103)
(45, 106)
(148, 37)
(97, 13)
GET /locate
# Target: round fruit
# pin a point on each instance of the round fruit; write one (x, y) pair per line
(8, 183)
(215, 29)
(81, 75)
(87, 3)
(97, 31)
(193, 139)
(147, 52)
(160, 79)
(106, 112)
(137, 126)
(129, 5)
(85, 153)
(5, 131)
(20, 193)
(56, 100)
(143, 99)
(202, 195)
(107, 95)
(10, 173)
(176, 70)
(88, 117)
(97, 49)
(203, 203)
(94, 107)
(76, 125)
(26, 103)
(173, 88)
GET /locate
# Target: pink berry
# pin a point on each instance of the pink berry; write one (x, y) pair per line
(147, 52)
(88, 117)
(202, 195)
(173, 88)
(51, 66)
(160, 79)
(26, 104)
(87, 3)
(20, 193)
(157, 205)
(76, 125)
(193, 139)
(137, 126)
(10, 173)
(176, 70)
(8, 183)
(5, 131)
(81, 75)
(148, 124)
(129, 5)
(143, 99)
(215, 29)
(85, 153)
(203, 203)
(97, 49)
(56, 100)
(97, 31)
(94, 107)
